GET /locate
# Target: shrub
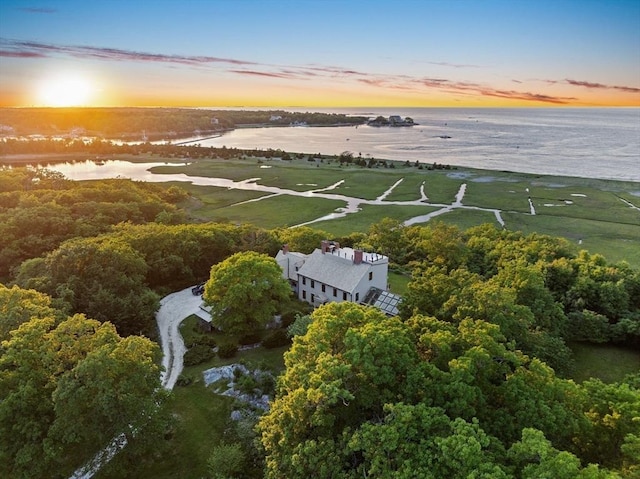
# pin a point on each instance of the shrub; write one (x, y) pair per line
(275, 339)
(207, 340)
(267, 383)
(198, 354)
(288, 318)
(226, 461)
(246, 384)
(251, 338)
(184, 380)
(227, 350)
(299, 326)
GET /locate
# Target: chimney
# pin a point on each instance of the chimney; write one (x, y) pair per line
(324, 245)
(336, 245)
(285, 248)
(357, 256)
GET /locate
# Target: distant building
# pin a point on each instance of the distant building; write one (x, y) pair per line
(335, 274)
(275, 118)
(393, 120)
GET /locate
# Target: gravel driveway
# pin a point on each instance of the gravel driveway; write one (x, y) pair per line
(174, 308)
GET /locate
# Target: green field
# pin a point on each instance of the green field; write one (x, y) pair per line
(608, 362)
(592, 214)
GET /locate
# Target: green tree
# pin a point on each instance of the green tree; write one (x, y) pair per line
(245, 291)
(534, 457)
(226, 461)
(67, 389)
(302, 239)
(388, 237)
(351, 362)
(19, 305)
(103, 278)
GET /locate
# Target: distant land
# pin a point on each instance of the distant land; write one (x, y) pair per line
(154, 123)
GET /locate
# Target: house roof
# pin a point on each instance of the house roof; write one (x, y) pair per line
(288, 262)
(334, 270)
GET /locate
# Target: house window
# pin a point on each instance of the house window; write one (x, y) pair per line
(313, 298)
(304, 280)
(313, 284)
(357, 297)
(323, 288)
(304, 294)
(344, 295)
(335, 292)
(370, 275)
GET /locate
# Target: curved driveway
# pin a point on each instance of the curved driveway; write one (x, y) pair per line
(174, 308)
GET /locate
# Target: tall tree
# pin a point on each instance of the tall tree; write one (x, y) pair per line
(67, 390)
(19, 305)
(101, 277)
(245, 291)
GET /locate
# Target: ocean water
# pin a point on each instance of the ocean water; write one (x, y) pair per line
(583, 142)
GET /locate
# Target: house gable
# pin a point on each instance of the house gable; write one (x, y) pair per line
(333, 274)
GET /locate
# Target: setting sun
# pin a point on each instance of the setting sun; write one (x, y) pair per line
(65, 90)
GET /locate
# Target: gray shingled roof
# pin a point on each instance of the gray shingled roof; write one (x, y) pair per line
(333, 270)
(288, 263)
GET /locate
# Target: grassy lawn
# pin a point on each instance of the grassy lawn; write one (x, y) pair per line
(440, 187)
(408, 189)
(398, 283)
(201, 416)
(588, 212)
(368, 215)
(615, 241)
(499, 194)
(465, 219)
(607, 362)
(278, 210)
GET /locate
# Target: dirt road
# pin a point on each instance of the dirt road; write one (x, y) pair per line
(173, 309)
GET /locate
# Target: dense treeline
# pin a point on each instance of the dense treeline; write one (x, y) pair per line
(364, 395)
(70, 385)
(39, 209)
(535, 287)
(76, 147)
(118, 276)
(155, 123)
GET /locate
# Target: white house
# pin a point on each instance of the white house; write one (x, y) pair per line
(335, 274)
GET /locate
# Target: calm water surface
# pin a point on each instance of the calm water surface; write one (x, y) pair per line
(588, 142)
(584, 142)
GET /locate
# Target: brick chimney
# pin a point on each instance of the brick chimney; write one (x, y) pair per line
(324, 246)
(285, 249)
(357, 256)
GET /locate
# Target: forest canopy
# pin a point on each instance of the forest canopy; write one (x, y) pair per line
(364, 395)
(471, 378)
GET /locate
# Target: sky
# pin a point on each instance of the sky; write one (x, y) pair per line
(320, 53)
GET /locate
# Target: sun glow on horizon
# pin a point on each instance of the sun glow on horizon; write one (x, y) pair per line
(64, 90)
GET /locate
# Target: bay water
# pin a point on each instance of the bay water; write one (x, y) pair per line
(583, 142)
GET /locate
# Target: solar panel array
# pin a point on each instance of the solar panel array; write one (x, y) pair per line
(383, 300)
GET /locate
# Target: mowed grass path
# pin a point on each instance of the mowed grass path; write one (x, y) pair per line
(590, 213)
